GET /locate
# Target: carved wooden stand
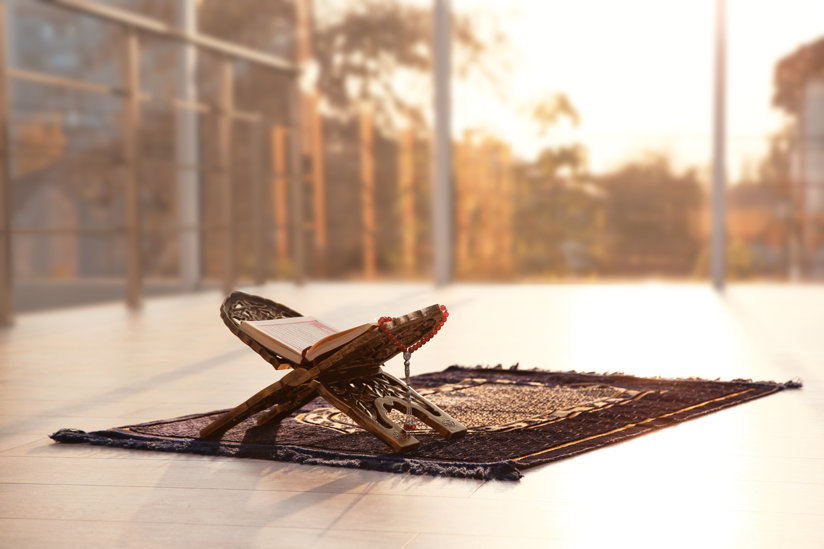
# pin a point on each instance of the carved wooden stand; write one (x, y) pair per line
(350, 378)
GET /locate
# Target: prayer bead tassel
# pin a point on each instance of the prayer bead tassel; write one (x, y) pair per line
(409, 421)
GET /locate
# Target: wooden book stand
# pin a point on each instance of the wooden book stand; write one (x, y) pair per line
(350, 377)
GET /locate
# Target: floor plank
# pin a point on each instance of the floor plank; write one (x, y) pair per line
(750, 476)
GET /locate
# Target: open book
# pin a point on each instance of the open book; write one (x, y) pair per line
(289, 337)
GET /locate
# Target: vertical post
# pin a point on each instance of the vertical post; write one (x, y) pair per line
(406, 184)
(280, 208)
(797, 255)
(465, 167)
(258, 232)
(296, 183)
(303, 54)
(505, 210)
(718, 245)
(6, 272)
(367, 162)
(442, 192)
(188, 176)
(319, 184)
(131, 155)
(811, 130)
(303, 138)
(224, 161)
(485, 193)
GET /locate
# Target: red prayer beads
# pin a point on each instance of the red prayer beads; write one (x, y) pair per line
(417, 345)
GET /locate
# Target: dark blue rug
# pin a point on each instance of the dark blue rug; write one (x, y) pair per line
(517, 419)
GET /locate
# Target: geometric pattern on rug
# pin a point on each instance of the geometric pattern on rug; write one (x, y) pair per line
(516, 419)
(495, 405)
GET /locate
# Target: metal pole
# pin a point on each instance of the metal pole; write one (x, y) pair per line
(798, 253)
(312, 132)
(811, 144)
(6, 272)
(368, 220)
(280, 210)
(505, 210)
(319, 182)
(442, 192)
(466, 167)
(188, 177)
(718, 245)
(224, 153)
(131, 152)
(297, 215)
(406, 190)
(258, 224)
(298, 144)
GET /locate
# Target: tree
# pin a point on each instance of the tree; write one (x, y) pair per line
(364, 48)
(651, 217)
(553, 161)
(557, 227)
(794, 71)
(557, 224)
(551, 110)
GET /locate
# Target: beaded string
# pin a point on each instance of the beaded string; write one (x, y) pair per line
(409, 421)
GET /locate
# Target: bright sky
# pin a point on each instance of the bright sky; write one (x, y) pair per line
(640, 73)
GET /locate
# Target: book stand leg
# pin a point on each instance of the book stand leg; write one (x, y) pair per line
(366, 399)
(350, 378)
(369, 399)
(282, 397)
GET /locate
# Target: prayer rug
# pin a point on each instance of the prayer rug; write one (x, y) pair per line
(516, 419)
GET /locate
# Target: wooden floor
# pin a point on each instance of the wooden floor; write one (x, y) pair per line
(751, 476)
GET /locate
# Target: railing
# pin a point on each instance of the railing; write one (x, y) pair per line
(223, 108)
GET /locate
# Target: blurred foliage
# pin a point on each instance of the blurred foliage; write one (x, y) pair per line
(558, 217)
(362, 48)
(794, 71)
(652, 216)
(551, 110)
(740, 261)
(556, 228)
(640, 218)
(558, 221)
(555, 161)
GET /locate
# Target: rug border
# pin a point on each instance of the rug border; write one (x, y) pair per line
(647, 426)
(636, 430)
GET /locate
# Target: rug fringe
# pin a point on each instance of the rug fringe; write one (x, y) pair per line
(503, 470)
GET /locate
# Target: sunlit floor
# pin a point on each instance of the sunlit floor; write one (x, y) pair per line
(750, 476)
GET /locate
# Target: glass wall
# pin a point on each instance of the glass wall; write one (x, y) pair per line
(582, 143)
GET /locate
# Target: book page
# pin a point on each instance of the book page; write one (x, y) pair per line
(337, 340)
(297, 333)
